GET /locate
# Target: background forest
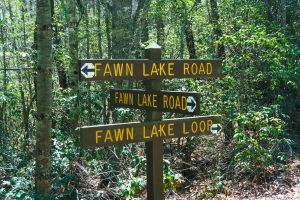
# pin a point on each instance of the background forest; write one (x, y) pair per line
(258, 96)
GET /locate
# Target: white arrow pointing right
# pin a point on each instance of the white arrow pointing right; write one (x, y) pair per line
(191, 104)
(216, 128)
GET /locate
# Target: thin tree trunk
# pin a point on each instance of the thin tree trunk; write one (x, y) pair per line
(107, 114)
(100, 53)
(160, 26)
(24, 109)
(87, 30)
(87, 35)
(44, 99)
(62, 77)
(4, 112)
(234, 16)
(181, 50)
(122, 40)
(121, 29)
(73, 44)
(28, 75)
(145, 24)
(73, 53)
(25, 112)
(99, 27)
(34, 56)
(189, 37)
(268, 10)
(220, 50)
(108, 32)
(283, 14)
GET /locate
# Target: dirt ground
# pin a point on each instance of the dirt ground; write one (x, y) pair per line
(283, 186)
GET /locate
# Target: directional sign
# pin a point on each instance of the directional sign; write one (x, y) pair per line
(87, 70)
(216, 128)
(191, 104)
(96, 136)
(96, 70)
(165, 101)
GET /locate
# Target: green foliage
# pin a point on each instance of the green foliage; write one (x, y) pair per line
(136, 185)
(19, 186)
(264, 65)
(133, 187)
(261, 68)
(169, 176)
(64, 179)
(137, 182)
(260, 140)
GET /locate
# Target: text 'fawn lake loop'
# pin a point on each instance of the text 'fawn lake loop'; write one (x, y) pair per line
(124, 133)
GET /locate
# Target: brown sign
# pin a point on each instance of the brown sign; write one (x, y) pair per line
(113, 134)
(95, 70)
(165, 101)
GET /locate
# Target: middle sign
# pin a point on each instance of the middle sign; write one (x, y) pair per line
(165, 101)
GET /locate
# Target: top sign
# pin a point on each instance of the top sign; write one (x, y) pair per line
(94, 70)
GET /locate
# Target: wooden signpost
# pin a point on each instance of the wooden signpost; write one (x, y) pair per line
(154, 148)
(155, 101)
(165, 101)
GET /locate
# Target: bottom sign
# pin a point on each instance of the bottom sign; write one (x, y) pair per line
(124, 133)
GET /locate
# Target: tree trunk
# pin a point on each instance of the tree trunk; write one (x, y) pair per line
(160, 26)
(121, 29)
(99, 33)
(62, 77)
(188, 32)
(3, 121)
(88, 56)
(182, 46)
(73, 44)
(44, 99)
(122, 41)
(16, 62)
(87, 30)
(136, 34)
(268, 10)
(283, 14)
(190, 42)
(220, 50)
(108, 31)
(73, 53)
(145, 25)
(100, 53)
(31, 96)
(123, 14)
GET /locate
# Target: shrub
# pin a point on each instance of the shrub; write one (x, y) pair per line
(260, 140)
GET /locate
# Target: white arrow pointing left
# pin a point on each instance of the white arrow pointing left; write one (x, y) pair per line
(87, 70)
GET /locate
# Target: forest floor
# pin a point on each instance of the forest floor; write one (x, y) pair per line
(215, 178)
(281, 185)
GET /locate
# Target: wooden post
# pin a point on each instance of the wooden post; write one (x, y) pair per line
(154, 149)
